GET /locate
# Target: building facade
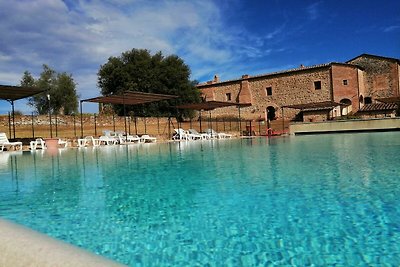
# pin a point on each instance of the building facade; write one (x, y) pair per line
(353, 84)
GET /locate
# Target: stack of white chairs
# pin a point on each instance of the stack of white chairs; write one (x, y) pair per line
(108, 138)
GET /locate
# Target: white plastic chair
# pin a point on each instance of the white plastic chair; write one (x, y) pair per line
(38, 143)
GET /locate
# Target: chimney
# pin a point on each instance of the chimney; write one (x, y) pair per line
(302, 66)
(245, 76)
(216, 78)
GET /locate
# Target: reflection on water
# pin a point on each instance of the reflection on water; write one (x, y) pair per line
(301, 200)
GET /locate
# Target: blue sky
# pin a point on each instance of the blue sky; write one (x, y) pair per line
(229, 38)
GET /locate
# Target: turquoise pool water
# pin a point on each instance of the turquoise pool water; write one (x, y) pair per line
(304, 200)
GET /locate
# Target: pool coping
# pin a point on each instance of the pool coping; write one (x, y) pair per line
(21, 246)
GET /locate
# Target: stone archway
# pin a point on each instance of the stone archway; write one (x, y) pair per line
(347, 108)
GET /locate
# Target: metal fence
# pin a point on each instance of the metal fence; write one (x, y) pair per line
(74, 126)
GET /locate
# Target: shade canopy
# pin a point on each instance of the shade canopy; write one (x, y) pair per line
(12, 93)
(378, 107)
(316, 106)
(130, 98)
(210, 105)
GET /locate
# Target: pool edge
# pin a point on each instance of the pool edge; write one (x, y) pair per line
(21, 246)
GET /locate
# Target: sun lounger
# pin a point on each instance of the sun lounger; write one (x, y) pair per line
(133, 138)
(5, 143)
(91, 140)
(107, 140)
(148, 139)
(180, 134)
(202, 136)
(128, 139)
(215, 134)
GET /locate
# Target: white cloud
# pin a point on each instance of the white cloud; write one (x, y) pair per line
(79, 36)
(391, 28)
(313, 10)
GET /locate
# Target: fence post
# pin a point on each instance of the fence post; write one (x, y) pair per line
(114, 122)
(80, 104)
(169, 127)
(74, 125)
(201, 130)
(9, 124)
(145, 126)
(33, 128)
(240, 123)
(129, 125)
(135, 124)
(56, 125)
(95, 125)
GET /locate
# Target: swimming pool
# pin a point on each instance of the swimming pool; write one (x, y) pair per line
(322, 200)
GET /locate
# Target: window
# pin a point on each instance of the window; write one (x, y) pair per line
(345, 82)
(367, 100)
(268, 90)
(317, 85)
(228, 97)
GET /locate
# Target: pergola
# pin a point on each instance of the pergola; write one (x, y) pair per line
(211, 105)
(392, 99)
(12, 93)
(315, 106)
(325, 105)
(126, 98)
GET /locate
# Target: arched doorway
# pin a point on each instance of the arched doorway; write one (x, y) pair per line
(361, 101)
(346, 108)
(271, 113)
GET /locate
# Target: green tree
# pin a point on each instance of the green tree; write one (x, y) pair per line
(27, 80)
(59, 86)
(138, 70)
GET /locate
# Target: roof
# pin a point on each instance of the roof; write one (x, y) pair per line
(130, 98)
(376, 57)
(315, 106)
(210, 105)
(392, 99)
(12, 93)
(303, 68)
(378, 107)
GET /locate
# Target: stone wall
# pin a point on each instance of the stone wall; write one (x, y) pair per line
(364, 76)
(381, 75)
(289, 88)
(345, 84)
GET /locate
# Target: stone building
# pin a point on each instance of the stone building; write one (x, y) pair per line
(353, 84)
